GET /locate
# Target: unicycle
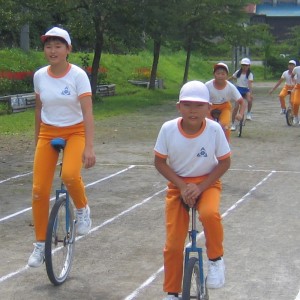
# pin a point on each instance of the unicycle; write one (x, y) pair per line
(289, 112)
(60, 237)
(194, 282)
(242, 123)
(289, 116)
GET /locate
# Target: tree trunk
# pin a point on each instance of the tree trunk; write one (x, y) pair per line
(156, 51)
(97, 57)
(187, 61)
(24, 38)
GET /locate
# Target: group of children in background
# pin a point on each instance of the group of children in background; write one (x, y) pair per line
(291, 88)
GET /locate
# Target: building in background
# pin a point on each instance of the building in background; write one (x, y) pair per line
(280, 15)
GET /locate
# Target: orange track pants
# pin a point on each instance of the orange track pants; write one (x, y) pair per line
(296, 100)
(283, 93)
(45, 161)
(225, 117)
(177, 225)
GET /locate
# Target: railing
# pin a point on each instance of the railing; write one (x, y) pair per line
(17, 103)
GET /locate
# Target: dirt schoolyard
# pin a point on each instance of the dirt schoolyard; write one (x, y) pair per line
(121, 258)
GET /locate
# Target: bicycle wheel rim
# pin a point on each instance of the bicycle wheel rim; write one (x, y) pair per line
(60, 242)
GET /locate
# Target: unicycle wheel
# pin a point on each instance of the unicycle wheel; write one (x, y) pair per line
(289, 117)
(60, 241)
(192, 287)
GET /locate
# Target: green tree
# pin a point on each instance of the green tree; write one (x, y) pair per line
(159, 18)
(206, 21)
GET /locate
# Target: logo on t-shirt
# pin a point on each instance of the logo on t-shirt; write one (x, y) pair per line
(202, 153)
(66, 91)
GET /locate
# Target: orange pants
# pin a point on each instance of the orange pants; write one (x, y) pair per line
(177, 225)
(283, 93)
(296, 100)
(225, 117)
(45, 161)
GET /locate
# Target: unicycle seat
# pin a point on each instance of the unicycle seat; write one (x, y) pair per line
(58, 144)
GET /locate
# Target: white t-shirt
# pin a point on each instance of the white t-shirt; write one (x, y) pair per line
(230, 92)
(296, 71)
(60, 96)
(192, 155)
(243, 81)
(288, 78)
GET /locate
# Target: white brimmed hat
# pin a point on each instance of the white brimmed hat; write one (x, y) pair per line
(245, 61)
(194, 91)
(292, 62)
(57, 32)
(221, 65)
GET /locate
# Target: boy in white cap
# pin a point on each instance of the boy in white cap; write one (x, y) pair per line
(192, 153)
(288, 86)
(244, 83)
(222, 92)
(63, 109)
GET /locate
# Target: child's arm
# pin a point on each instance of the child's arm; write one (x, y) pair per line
(276, 86)
(164, 169)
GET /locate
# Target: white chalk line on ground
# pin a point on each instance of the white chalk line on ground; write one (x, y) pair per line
(53, 198)
(153, 276)
(151, 166)
(15, 177)
(146, 283)
(23, 269)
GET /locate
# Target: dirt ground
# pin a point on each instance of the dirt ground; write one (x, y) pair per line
(121, 258)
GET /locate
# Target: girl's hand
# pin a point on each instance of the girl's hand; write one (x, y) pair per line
(88, 158)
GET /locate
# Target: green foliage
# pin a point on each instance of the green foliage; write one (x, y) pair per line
(10, 87)
(4, 108)
(277, 65)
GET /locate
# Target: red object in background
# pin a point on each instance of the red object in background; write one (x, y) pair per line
(101, 69)
(15, 75)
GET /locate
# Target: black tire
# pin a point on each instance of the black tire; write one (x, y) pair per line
(60, 242)
(191, 286)
(289, 117)
(241, 124)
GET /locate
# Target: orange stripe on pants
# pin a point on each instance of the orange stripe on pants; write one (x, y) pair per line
(177, 223)
(45, 161)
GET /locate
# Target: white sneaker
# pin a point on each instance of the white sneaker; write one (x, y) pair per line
(36, 259)
(233, 127)
(295, 120)
(249, 116)
(283, 111)
(216, 274)
(84, 222)
(172, 297)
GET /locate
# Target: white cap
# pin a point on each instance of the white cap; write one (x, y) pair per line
(57, 32)
(245, 61)
(292, 62)
(221, 65)
(194, 91)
